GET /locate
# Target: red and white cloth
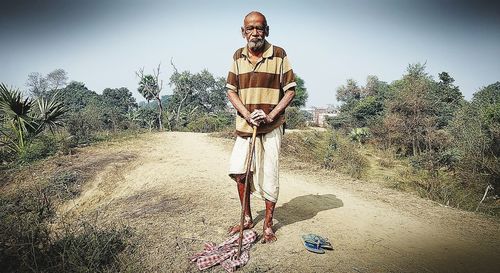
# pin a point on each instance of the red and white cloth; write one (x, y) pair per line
(225, 253)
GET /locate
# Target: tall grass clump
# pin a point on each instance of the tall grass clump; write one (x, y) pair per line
(328, 149)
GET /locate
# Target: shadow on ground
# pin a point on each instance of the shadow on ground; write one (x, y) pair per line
(302, 208)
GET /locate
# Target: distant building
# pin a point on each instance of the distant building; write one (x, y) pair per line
(319, 114)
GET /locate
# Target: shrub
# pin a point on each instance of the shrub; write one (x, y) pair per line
(39, 148)
(206, 123)
(443, 188)
(343, 156)
(327, 149)
(85, 124)
(295, 118)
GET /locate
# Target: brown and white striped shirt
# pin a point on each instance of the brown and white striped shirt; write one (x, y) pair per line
(261, 86)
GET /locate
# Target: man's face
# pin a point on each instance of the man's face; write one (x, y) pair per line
(255, 31)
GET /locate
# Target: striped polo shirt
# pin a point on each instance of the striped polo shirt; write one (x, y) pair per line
(261, 86)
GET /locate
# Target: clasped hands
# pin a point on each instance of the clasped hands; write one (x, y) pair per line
(257, 117)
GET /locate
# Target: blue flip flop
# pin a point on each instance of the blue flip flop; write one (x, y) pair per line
(313, 238)
(314, 247)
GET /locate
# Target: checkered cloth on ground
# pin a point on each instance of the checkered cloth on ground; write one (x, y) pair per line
(225, 253)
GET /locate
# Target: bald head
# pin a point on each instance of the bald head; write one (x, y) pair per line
(255, 30)
(253, 15)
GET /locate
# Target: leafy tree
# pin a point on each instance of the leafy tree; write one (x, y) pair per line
(366, 109)
(301, 94)
(470, 141)
(410, 120)
(118, 102)
(447, 99)
(209, 92)
(360, 105)
(487, 103)
(194, 93)
(147, 117)
(89, 112)
(371, 88)
(349, 92)
(120, 98)
(75, 96)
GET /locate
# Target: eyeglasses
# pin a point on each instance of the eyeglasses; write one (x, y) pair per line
(249, 29)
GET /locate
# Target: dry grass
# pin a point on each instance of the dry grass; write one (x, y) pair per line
(326, 149)
(34, 238)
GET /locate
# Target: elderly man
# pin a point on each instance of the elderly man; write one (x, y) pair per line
(261, 84)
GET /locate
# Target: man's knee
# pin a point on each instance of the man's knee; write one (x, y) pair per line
(243, 177)
(240, 178)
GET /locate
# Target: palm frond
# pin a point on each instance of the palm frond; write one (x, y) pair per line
(12, 104)
(16, 112)
(51, 112)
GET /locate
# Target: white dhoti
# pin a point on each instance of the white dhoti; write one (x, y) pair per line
(265, 165)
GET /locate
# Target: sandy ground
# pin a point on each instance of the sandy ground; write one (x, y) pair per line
(173, 189)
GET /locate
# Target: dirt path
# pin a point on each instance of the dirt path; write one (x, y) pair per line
(174, 191)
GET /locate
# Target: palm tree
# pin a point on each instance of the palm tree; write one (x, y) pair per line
(21, 122)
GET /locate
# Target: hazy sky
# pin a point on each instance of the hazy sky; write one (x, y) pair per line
(102, 43)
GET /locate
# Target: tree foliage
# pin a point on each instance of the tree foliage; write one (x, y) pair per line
(429, 122)
(410, 117)
(194, 94)
(301, 94)
(360, 105)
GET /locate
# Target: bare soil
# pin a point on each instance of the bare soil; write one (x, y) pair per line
(172, 188)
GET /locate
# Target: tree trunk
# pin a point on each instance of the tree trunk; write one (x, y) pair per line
(160, 111)
(179, 109)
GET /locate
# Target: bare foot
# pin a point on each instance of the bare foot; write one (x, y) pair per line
(248, 224)
(268, 236)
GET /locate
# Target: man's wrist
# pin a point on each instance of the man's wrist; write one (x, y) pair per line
(270, 118)
(247, 116)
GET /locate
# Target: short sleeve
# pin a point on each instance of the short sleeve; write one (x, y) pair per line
(232, 79)
(288, 77)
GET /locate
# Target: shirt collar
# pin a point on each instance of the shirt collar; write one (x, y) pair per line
(268, 50)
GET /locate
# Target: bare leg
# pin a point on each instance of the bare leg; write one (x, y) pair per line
(240, 183)
(268, 233)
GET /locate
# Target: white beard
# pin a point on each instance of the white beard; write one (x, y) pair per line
(256, 45)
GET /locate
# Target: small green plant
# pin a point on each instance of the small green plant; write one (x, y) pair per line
(359, 135)
(39, 148)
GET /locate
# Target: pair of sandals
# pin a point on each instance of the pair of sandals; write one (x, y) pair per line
(316, 243)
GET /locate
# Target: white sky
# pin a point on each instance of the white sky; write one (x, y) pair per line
(102, 44)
